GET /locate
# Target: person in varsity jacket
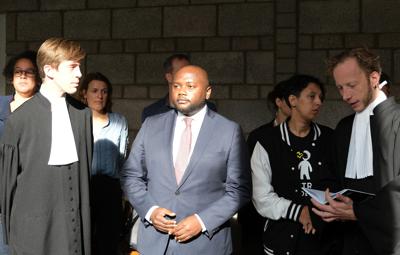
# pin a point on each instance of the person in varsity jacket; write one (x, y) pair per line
(286, 158)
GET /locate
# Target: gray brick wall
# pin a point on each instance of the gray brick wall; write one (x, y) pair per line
(246, 46)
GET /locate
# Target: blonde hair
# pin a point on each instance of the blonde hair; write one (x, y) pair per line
(55, 50)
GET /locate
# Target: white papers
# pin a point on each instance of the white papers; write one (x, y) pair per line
(355, 195)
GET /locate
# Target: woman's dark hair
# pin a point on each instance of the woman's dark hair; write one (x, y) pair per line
(298, 82)
(8, 70)
(85, 85)
(277, 92)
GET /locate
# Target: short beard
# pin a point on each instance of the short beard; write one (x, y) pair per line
(191, 109)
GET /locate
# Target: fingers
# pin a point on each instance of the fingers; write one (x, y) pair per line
(187, 229)
(326, 216)
(344, 199)
(160, 222)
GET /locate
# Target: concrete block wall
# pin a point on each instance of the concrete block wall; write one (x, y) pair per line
(246, 46)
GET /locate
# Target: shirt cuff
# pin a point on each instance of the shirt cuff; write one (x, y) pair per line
(148, 214)
(203, 227)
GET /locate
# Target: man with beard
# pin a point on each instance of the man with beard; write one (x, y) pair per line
(367, 158)
(187, 173)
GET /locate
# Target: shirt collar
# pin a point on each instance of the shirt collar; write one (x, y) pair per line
(196, 117)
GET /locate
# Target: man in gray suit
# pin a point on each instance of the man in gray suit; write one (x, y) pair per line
(185, 207)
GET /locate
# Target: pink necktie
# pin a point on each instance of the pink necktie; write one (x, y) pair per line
(182, 157)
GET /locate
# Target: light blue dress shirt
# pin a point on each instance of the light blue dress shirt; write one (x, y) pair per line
(110, 146)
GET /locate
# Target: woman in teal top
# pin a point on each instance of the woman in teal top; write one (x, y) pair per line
(110, 136)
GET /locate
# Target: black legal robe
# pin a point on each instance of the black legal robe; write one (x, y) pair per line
(377, 230)
(45, 209)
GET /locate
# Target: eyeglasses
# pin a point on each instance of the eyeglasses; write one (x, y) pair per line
(26, 72)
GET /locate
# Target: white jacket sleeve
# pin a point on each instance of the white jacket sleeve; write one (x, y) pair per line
(267, 203)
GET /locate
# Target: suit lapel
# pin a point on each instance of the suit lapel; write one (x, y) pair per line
(168, 143)
(203, 139)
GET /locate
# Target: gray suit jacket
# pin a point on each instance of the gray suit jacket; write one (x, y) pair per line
(215, 184)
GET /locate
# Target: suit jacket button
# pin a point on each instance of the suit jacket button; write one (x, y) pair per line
(177, 192)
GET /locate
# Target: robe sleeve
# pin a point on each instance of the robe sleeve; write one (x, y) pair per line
(379, 217)
(9, 171)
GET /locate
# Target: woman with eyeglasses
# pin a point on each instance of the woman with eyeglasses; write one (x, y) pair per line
(22, 73)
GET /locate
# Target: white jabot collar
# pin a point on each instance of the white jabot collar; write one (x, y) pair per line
(63, 148)
(359, 159)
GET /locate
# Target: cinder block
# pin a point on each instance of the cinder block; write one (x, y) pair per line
(119, 68)
(264, 91)
(189, 44)
(312, 63)
(34, 45)
(332, 112)
(220, 91)
(135, 91)
(246, 19)
(150, 68)
(117, 91)
(132, 110)
(260, 67)
(157, 92)
(162, 2)
(267, 42)
(90, 47)
(47, 24)
(162, 45)
(139, 45)
(217, 44)
(222, 67)
(396, 65)
(62, 4)
(111, 4)
(18, 5)
(328, 41)
(389, 40)
(184, 21)
(286, 35)
(215, 1)
(248, 113)
(11, 24)
(286, 50)
(245, 43)
(111, 46)
(244, 92)
(361, 40)
(318, 17)
(285, 65)
(96, 24)
(286, 20)
(305, 42)
(384, 13)
(136, 23)
(332, 93)
(286, 6)
(13, 48)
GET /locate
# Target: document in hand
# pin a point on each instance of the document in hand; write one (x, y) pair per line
(355, 195)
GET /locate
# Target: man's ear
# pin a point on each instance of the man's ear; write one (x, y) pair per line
(168, 77)
(208, 92)
(374, 79)
(48, 71)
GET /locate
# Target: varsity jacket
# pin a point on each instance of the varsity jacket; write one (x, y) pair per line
(281, 165)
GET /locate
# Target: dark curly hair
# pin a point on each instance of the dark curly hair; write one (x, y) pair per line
(8, 70)
(298, 82)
